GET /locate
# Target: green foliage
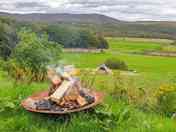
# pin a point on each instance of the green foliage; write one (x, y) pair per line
(7, 104)
(31, 56)
(87, 39)
(168, 49)
(115, 63)
(166, 99)
(8, 37)
(2, 64)
(103, 43)
(124, 89)
(75, 37)
(68, 36)
(173, 43)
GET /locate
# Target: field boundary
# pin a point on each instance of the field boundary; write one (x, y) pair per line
(83, 50)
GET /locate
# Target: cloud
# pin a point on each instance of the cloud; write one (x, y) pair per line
(132, 10)
(30, 4)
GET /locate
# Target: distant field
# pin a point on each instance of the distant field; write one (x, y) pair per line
(142, 39)
(121, 49)
(139, 62)
(154, 69)
(136, 45)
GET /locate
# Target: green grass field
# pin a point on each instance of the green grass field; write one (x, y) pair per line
(134, 45)
(113, 115)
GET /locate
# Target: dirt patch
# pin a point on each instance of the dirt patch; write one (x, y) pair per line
(167, 54)
(83, 50)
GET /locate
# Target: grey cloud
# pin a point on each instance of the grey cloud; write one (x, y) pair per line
(131, 9)
(94, 3)
(30, 5)
(34, 6)
(120, 9)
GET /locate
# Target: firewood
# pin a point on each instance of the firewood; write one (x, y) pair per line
(60, 92)
(81, 101)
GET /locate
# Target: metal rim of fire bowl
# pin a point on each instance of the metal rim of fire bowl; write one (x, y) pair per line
(25, 104)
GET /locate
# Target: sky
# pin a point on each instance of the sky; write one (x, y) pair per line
(129, 10)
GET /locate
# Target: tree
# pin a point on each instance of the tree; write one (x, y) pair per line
(103, 44)
(33, 54)
(74, 37)
(87, 39)
(115, 63)
(8, 38)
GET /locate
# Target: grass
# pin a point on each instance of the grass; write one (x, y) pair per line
(151, 40)
(137, 45)
(162, 64)
(169, 48)
(113, 115)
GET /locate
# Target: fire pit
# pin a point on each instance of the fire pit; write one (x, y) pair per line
(27, 104)
(65, 95)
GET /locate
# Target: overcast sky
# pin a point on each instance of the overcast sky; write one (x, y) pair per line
(130, 10)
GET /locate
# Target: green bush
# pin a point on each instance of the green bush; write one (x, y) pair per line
(31, 56)
(2, 63)
(8, 37)
(124, 89)
(166, 99)
(103, 43)
(115, 63)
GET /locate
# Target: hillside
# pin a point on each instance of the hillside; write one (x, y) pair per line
(101, 23)
(63, 18)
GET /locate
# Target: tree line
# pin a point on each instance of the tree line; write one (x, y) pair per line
(67, 36)
(26, 49)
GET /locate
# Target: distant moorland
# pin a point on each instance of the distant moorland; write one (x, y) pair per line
(100, 23)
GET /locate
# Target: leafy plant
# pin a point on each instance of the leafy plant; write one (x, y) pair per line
(8, 37)
(7, 104)
(31, 56)
(166, 99)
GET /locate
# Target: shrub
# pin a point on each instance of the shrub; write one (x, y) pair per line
(8, 37)
(103, 43)
(31, 56)
(2, 64)
(173, 43)
(119, 91)
(166, 99)
(115, 63)
(7, 104)
(124, 89)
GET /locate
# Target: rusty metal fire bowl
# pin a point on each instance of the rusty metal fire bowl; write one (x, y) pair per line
(41, 95)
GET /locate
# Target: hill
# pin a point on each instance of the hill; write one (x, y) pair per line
(104, 24)
(63, 18)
